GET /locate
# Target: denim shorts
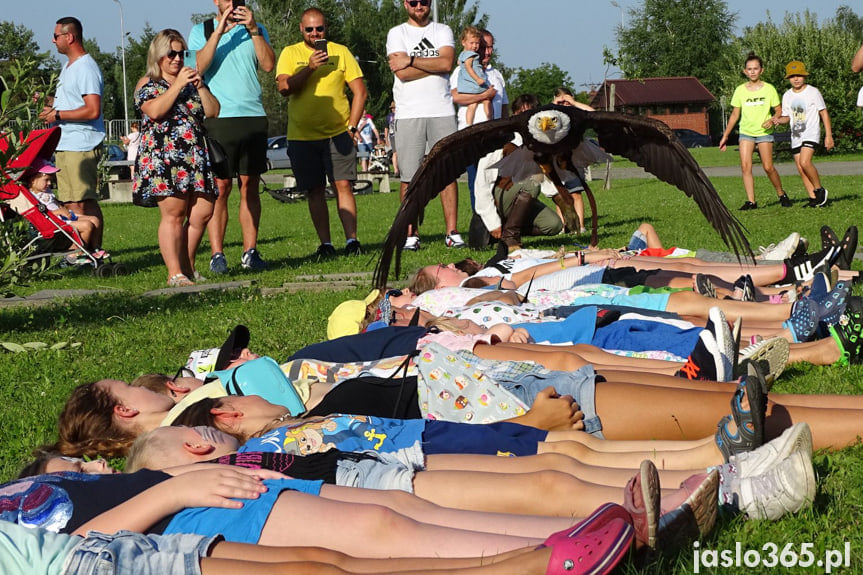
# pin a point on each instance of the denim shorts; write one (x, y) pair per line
(388, 471)
(765, 139)
(579, 384)
(127, 553)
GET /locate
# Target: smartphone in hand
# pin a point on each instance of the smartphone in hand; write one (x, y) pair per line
(321, 45)
(190, 59)
(236, 4)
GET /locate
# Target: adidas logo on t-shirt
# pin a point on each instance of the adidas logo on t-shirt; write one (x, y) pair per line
(425, 49)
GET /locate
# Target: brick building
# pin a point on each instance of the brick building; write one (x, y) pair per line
(679, 102)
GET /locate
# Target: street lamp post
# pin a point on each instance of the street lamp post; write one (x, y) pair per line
(123, 56)
(619, 7)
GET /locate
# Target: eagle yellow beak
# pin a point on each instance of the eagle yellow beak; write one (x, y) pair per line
(547, 123)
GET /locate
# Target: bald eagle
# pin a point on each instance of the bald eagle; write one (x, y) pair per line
(552, 133)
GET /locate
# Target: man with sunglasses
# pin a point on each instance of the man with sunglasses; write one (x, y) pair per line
(421, 55)
(77, 109)
(322, 125)
(231, 50)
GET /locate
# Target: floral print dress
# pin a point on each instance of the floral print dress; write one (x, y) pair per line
(172, 157)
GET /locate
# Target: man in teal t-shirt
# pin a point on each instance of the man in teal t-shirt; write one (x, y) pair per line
(231, 49)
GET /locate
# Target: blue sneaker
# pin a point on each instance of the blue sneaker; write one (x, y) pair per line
(252, 260)
(218, 264)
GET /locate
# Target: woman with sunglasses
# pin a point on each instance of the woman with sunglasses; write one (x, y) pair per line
(173, 167)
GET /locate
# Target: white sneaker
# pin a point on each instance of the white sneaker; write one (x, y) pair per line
(786, 488)
(453, 240)
(724, 344)
(782, 250)
(796, 438)
(412, 243)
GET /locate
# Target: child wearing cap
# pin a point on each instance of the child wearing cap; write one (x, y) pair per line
(804, 108)
(38, 181)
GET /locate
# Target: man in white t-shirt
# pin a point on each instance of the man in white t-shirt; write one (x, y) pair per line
(421, 55)
(496, 93)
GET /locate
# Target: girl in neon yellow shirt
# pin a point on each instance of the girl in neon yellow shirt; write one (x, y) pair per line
(756, 104)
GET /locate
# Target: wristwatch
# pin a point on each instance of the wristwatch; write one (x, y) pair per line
(256, 32)
(352, 130)
(56, 115)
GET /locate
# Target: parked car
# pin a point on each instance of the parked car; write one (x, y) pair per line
(691, 138)
(277, 153)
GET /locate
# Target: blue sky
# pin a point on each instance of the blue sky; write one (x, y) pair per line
(570, 33)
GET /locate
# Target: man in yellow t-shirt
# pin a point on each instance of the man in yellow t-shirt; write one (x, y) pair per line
(322, 124)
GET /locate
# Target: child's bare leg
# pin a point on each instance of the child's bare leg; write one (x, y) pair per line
(698, 457)
(747, 147)
(550, 493)
(225, 550)
(486, 107)
(555, 461)
(470, 114)
(691, 303)
(374, 530)
(765, 150)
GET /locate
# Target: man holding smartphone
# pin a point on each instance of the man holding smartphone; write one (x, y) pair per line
(230, 50)
(421, 54)
(322, 125)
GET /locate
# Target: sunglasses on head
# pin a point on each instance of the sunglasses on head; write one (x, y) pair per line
(183, 372)
(413, 3)
(173, 54)
(310, 29)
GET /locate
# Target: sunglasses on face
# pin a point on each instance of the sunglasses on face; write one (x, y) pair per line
(413, 3)
(173, 54)
(183, 372)
(61, 34)
(310, 29)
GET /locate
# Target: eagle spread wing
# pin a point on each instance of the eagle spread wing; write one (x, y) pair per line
(647, 142)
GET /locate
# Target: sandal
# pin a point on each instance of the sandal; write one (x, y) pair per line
(179, 280)
(641, 497)
(750, 423)
(594, 552)
(694, 518)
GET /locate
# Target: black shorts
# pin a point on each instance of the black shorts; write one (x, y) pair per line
(245, 143)
(807, 144)
(626, 276)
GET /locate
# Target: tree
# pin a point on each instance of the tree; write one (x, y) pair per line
(540, 81)
(17, 42)
(677, 38)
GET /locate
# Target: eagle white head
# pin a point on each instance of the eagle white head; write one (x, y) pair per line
(548, 126)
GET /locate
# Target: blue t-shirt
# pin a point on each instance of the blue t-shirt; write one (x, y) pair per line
(80, 78)
(343, 432)
(233, 74)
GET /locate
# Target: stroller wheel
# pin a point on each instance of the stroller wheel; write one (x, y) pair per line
(120, 270)
(104, 271)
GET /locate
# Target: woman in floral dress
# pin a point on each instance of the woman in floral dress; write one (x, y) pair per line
(173, 166)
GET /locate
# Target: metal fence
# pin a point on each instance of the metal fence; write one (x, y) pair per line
(115, 129)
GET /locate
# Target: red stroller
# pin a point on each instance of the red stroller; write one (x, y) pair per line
(17, 198)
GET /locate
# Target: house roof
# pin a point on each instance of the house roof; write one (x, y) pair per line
(652, 91)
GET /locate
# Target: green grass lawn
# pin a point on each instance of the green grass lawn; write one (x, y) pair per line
(122, 334)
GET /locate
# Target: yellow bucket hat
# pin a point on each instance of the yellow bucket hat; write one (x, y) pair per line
(795, 68)
(348, 316)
